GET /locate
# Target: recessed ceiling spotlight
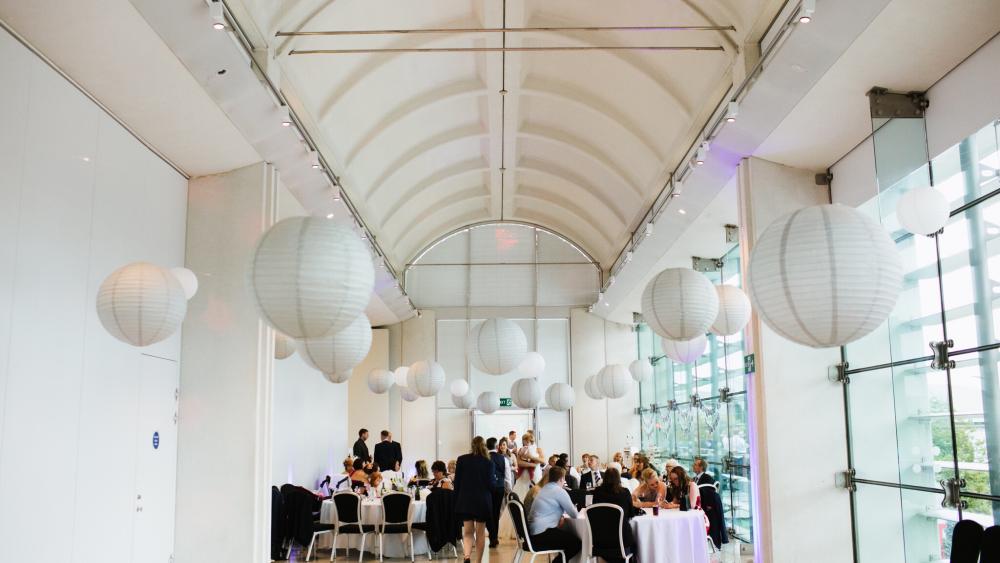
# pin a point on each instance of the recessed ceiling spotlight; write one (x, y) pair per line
(682, 212)
(732, 111)
(329, 215)
(806, 11)
(606, 304)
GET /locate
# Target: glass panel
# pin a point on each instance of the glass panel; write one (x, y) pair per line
(977, 431)
(711, 429)
(873, 425)
(738, 444)
(737, 499)
(879, 518)
(970, 169)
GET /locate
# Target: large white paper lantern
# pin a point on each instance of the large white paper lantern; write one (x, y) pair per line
(679, 303)
(734, 310)
(399, 376)
(922, 211)
(340, 352)
(464, 401)
(488, 402)
(526, 393)
(614, 381)
(684, 351)
(310, 277)
(283, 346)
(380, 380)
(641, 370)
(425, 377)
(339, 377)
(187, 279)
(593, 389)
(141, 304)
(824, 276)
(533, 365)
(459, 387)
(408, 395)
(497, 346)
(560, 397)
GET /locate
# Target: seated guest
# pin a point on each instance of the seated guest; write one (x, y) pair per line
(546, 518)
(343, 481)
(377, 484)
(572, 483)
(360, 476)
(684, 492)
(668, 465)
(651, 492)
(530, 496)
(451, 468)
(584, 466)
(639, 464)
(611, 491)
(593, 477)
(440, 472)
(700, 471)
(421, 478)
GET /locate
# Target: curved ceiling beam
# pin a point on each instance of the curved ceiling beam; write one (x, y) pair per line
(553, 198)
(443, 203)
(587, 189)
(438, 177)
(421, 148)
(446, 93)
(583, 149)
(550, 222)
(433, 231)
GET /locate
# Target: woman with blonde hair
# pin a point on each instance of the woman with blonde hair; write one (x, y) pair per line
(530, 458)
(474, 483)
(651, 492)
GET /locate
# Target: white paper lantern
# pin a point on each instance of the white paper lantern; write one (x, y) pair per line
(284, 347)
(141, 304)
(526, 393)
(614, 381)
(408, 395)
(463, 401)
(679, 303)
(425, 377)
(497, 346)
(339, 377)
(734, 310)
(533, 365)
(592, 388)
(380, 380)
(399, 376)
(824, 276)
(641, 370)
(922, 211)
(488, 402)
(187, 279)
(684, 351)
(459, 387)
(560, 397)
(340, 352)
(310, 277)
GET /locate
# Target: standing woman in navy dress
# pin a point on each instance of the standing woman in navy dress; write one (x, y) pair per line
(473, 498)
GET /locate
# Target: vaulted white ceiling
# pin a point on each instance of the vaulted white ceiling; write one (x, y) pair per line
(581, 142)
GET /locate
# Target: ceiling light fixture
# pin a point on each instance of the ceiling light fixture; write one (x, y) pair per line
(314, 159)
(611, 281)
(682, 212)
(217, 13)
(628, 256)
(286, 117)
(649, 229)
(806, 11)
(329, 215)
(678, 188)
(702, 154)
(600, 296)
(732, 110)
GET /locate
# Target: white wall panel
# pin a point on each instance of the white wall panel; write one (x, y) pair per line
(364, 408)
(854, 180)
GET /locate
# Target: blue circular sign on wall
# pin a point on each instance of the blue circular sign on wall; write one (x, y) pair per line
(156, 440)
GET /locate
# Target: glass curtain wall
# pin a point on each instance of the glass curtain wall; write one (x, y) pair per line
(919, 426)
(700, 410)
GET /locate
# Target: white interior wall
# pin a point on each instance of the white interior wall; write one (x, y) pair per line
(79, 197)
(364, 408)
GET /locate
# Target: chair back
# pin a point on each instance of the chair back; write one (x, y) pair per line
(991, 545)
(965, 542)
(605, 523)
(348, 508)
(396, 508)
(516, 510)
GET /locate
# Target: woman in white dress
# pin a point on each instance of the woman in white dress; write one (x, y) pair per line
(529, 461)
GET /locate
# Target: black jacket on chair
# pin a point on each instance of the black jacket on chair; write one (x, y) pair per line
(387, 454)
(474, 482)
(279, 524)
(711, 503)
(300, 507)
(441, 525)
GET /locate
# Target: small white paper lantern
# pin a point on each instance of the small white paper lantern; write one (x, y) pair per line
(922, 211)
(824, 276)
(463, 401)
(399, 376)
(380, 380)
(734, 311)
(425, 377)
(533, 365)
(684, 351)
(141, 304)
(310, 277)
(284, 347)
(560, 397)
(340, 352)
(526, 393)
(679, 303)
(408, 395)
(497, 346)
(593, 389)
(187, 279)
(488, 402)
(641, 370)
(614, 381)
(459, 387)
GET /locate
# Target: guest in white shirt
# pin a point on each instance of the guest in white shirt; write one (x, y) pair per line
(548, 509)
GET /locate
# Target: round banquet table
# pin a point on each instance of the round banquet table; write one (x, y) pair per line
(671, 537)
(393, 545)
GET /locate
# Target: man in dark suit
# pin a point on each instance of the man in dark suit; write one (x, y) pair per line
(360, 447)
(701, 477)
(593, 478)
(499, 488)
(388, 454)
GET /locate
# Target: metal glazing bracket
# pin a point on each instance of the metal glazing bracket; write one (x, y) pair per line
(953, 493)
(845, 480)
(724, 395)
(940, 350)
(837, 373)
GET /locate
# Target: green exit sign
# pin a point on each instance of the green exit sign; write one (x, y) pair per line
(749, 366)
(506, 402)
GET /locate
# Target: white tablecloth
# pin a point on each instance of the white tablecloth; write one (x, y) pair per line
(371, 513)
(671, 537)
